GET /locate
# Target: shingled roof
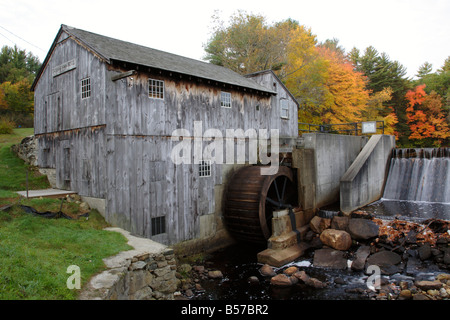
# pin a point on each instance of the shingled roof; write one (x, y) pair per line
(113, 50)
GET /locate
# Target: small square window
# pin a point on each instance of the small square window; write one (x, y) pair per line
(155, 89)
(225, 99)
(158, 225)
(284, 109)
(205, 168)
(85, 88)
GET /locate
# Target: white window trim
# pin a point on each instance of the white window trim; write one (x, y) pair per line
(156, 84)
(204, 168)
(85, 88)
(284, 105)
(225, 99)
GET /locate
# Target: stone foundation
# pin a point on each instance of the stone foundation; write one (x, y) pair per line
(145, 273)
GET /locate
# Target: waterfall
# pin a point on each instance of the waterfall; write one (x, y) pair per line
(419, 175)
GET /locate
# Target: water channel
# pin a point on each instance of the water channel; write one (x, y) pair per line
(417, 189)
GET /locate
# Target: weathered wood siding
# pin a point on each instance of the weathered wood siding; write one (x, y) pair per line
(143, 182)
(69, 129)
(288, 127)
(117, 143)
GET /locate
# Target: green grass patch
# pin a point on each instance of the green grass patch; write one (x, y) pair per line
(35, 252)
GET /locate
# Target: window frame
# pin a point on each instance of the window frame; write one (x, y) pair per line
(156, 89)
(284, 106)
(204, 168)
(86, 88)
(158, 225)
(225, 99)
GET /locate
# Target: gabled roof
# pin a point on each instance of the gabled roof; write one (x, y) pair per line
(251, 75)
(112, 50)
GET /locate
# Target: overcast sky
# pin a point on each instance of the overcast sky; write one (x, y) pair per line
(409, 31)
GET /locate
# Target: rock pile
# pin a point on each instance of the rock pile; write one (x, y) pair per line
(359, 242)
(27, 150)
(190, 277)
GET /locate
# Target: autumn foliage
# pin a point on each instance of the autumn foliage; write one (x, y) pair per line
(425, 116)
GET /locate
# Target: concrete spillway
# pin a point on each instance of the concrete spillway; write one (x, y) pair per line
(419, 175)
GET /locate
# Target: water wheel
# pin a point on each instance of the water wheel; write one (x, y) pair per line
(251, 198)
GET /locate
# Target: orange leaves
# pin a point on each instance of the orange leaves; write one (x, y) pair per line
(425, 116)
(347, 88)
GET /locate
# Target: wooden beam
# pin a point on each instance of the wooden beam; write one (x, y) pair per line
(123, 75)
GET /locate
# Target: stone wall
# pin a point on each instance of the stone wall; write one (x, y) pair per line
(145, 273)
(27, 150)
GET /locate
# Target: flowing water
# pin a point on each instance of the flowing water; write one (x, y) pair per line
(417, 187)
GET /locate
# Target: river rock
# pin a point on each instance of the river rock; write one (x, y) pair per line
(302, 276)
(216, 274)
(340, 223)
(428, 285)
(318, 224)
(424, 251)
(316, 283)
(281, 280)
(290, 271)
(405, 294)
(361, 255)
(336, 239)
(253, 280)
(362, 229)
(267, 271)
(386, 260)
(447, 256)
(329, 258)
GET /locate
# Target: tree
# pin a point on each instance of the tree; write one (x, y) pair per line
(383, 73)
(425, 117)
(347, 88)
(424, 70)
(17, 71)
(249, 43)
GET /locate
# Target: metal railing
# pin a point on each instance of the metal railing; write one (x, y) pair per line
(353, 128)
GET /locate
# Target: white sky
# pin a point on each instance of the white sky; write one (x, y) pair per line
(409, 31)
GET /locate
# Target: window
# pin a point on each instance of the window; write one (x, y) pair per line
(205, 168)
(158, 225)
(85, 88)
(284, 109)
(225, 99)
(155, 89)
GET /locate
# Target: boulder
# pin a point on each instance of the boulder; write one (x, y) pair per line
(316, 283)
(361, 255)
(318, 224)
(362, 229)
(339, 223)
(336, 239)
(424, 251)
(428, 285)
(329, 258)
(386, 260)
(447, 256)
(290, 271)
(302, 276)
(281, 280)
(267, 271)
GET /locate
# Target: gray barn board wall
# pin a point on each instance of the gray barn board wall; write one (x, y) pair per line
(116, 144)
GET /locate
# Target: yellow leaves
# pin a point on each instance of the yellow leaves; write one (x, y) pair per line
(346, 86)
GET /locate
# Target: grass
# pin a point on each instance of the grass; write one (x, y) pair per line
(35, 252)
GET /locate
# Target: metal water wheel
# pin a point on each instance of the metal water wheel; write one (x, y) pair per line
(251, 198)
